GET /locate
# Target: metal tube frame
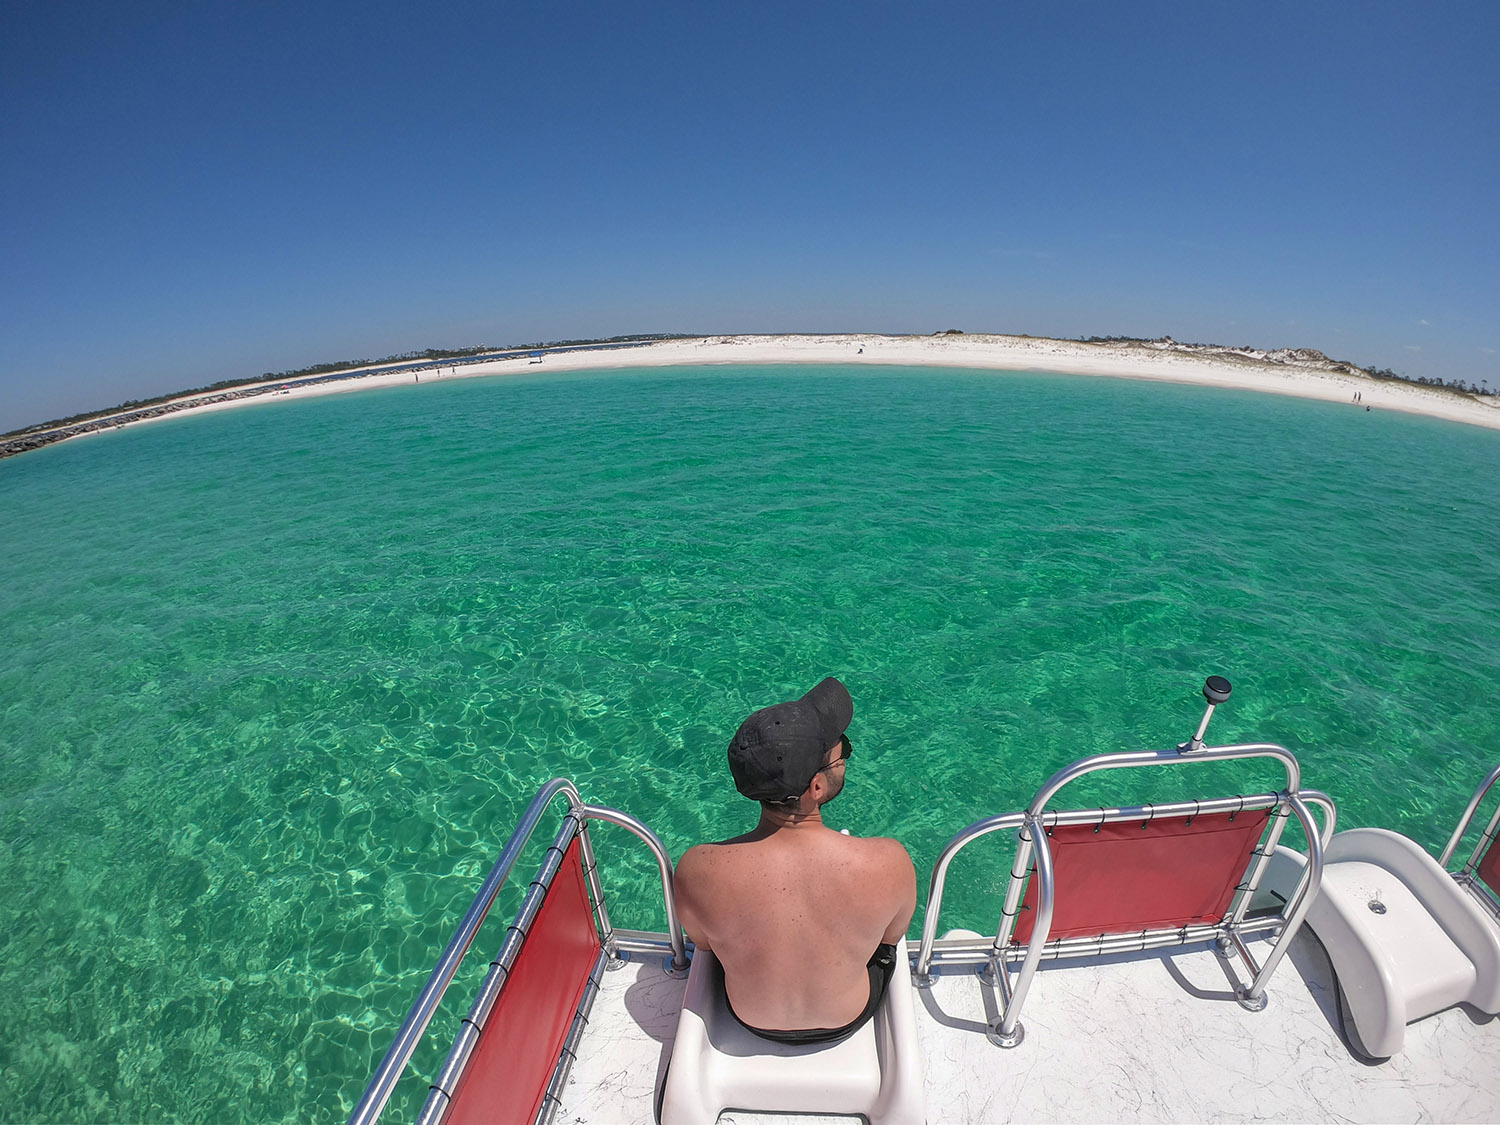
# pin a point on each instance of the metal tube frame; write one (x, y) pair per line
(1330, 813)
(596, 892)
(1194, 744)
(1253, 996)
(1019, 867)
(440, 1094)
(972, 952)
(383, 1083)
(921, 971)
(1243, 895)
(677, 965)
(1006, 1030)
(1132, 758)
(1485, 837)
(1052, 819)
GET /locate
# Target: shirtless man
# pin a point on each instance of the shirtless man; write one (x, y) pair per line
(802, 918)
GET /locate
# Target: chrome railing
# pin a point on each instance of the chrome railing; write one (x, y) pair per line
(1467, 818)
(679, 961)
(1330, 813)
(936, 888)
(1031, 848)
(440, 1094)
(1485, 838)
(1016, 820)
(383, 1083)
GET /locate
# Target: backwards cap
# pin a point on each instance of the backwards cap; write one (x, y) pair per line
(777, 750)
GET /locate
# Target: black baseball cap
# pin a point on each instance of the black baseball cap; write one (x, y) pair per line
(776, 751)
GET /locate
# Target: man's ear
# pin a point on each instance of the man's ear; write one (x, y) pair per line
(817, 789)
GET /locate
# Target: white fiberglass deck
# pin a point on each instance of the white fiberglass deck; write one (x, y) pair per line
(1147, 1037)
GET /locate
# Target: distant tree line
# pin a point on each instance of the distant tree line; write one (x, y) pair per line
(1458, 385)
(433, 354)
(1480, 388)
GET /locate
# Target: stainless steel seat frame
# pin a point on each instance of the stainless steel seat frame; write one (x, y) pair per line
(614, 944)
(1467, 875)
(1031, 828)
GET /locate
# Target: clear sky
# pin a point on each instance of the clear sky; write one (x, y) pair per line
(195, 192)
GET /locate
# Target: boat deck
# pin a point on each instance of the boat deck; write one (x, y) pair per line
(1129, 1038)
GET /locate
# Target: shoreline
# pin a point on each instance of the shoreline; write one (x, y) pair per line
(1299, 374)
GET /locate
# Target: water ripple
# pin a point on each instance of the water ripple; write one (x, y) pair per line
(277, 681)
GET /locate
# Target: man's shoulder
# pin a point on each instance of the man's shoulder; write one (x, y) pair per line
(886, 850)
(706, 857)
(883, 845)
(697, 856)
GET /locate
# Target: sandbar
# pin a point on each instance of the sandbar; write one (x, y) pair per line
(1293, 373)
(1301, 373)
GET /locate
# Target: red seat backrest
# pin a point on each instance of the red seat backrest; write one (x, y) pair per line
(1133, 875)
(517, 1052)
(1489, 866)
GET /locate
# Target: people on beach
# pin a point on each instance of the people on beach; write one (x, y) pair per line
(803, 919)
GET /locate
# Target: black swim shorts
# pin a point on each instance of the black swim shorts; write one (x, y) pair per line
(881, 967)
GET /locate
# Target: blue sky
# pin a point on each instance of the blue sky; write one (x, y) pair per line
(195, 192)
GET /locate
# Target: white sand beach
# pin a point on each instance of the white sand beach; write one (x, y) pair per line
(1287, 372)
(1300, 373)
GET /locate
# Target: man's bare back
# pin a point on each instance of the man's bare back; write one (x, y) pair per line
(793, 914)
(794, 910)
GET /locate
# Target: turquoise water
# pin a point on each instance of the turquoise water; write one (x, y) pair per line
(277, 681)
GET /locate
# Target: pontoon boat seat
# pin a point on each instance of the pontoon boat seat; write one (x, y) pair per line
(1405, 940)
(717, 1065)
(1094, 882)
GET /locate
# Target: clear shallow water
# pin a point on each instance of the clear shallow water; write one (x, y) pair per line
(276, 682)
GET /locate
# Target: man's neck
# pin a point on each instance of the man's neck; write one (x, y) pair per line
(774, 820)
